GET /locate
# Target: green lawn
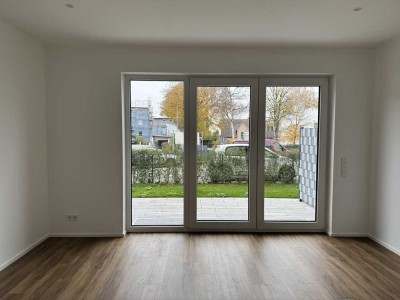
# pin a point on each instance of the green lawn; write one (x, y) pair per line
(271, 190)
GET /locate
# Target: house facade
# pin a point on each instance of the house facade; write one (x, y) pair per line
(155, 131)
(141, 124)
(240, 130)
(164, 131)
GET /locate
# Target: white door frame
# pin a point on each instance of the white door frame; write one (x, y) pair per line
(256, 181)
(251, 223)
(319, 224)
(126, 104)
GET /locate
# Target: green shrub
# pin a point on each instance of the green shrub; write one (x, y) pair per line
(165, 166)
(219, 169)
(271, 168)
(157, 166)
(286, 174)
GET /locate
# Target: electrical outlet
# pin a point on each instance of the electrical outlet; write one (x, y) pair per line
(72, 218)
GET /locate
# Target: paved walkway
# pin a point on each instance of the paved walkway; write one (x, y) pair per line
(169, 211)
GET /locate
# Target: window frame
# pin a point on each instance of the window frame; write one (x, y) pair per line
(323, 165)
(320, 222)
(126, 79)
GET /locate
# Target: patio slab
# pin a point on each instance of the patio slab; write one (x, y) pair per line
(169, 211)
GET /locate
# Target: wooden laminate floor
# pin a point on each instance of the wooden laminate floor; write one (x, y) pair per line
(205, 266)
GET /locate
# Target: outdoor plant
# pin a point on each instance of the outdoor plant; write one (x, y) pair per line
(271, 168)
(286, 174)
(294, 155)
(165, 166)
(220, 168)
(203, 160)
(157, 166)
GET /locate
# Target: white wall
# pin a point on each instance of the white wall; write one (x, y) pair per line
(24, 207)
(385, 142)
(84, 121)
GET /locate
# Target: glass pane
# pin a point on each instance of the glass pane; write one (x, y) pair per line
(291, 153)
(157, 152)
(223, 126)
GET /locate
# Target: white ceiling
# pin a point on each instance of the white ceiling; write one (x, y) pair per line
(207, 22)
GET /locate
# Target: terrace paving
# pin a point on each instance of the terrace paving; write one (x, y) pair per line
(169, 211)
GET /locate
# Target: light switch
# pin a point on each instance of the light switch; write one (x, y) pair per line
(343, 167)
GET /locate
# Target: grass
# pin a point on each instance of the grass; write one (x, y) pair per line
(271, 190)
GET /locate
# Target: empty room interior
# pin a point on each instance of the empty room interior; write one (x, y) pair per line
(199, 149)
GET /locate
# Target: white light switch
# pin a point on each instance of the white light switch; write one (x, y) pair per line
(343, 167)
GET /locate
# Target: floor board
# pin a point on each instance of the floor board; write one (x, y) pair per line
(205, 266)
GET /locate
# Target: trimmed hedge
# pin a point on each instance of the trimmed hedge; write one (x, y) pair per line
(156, 166)
(166, 166)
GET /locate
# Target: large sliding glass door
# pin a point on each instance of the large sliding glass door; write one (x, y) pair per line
(213, 153)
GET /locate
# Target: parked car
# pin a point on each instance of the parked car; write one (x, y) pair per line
(271, 144)
(275, 146)
(242, 149)
(240, 142)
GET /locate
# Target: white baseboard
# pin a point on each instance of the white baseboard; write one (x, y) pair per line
(380, 242)
(23, 252)
(88, 234)
(384, 244)
(353, 234)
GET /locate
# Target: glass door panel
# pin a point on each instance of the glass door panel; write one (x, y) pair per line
(290, 188)
(291, 152)
(225, 152)
(223, 142)
(157, 142)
